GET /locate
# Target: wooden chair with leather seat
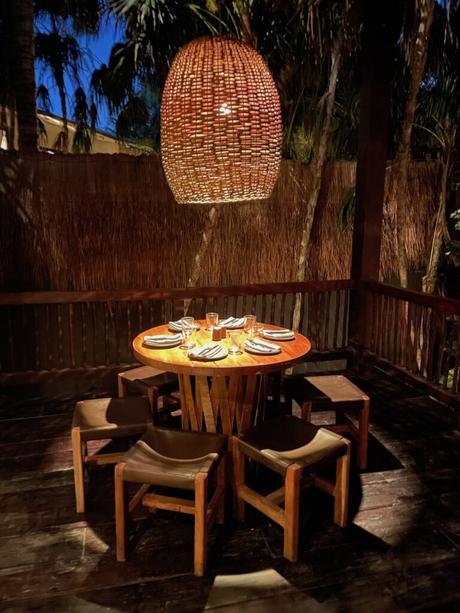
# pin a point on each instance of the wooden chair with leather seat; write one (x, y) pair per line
(296, 450)
(337, 393)
(174, 459)
(154, 384)
(104, 418)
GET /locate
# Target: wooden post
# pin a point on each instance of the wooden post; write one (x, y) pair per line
(377, 58)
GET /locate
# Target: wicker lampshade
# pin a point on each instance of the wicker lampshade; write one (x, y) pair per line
(221, 127)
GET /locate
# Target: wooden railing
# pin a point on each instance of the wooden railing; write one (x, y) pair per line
(414, 332)
(47, 331)
(417, 335)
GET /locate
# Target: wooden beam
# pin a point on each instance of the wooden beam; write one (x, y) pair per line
(14, 298)
(377, 59)
(449, 306)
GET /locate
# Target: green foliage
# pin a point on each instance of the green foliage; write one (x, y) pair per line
(296, 37)
(456, 217)
(347, 211)
(43, 98)
(453, 246)
(85, 118)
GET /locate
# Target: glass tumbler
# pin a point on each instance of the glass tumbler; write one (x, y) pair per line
(234, 338)
(212, 319)
(188, 332)
(250, 324)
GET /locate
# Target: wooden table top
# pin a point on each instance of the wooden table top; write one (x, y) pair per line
(177, 360)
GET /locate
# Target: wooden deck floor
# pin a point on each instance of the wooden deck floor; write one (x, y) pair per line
(400, 552)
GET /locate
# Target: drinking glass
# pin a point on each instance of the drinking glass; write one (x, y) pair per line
(249, 325)
(234, 337)
(212, 319)
(258, 329)
(188, 332)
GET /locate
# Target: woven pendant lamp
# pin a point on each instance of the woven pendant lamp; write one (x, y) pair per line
(221, 127)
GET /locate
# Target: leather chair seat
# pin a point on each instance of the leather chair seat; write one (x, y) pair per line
(139, 380)
(286, 440)
(173, 458)
(111, 417)
(335, 393)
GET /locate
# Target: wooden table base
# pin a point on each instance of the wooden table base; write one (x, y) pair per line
(221, 404)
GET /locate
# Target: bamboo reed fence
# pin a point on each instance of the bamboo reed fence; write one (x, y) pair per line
(101, 222)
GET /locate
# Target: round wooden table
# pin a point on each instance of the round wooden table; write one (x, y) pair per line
(225, 395)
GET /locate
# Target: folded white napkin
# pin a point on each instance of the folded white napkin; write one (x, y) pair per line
(233, 322)
(209, 351)
(177, 325)
(162, 339)
(261, 346)
(278, 333)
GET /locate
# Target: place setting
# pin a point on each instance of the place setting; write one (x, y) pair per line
(233, 323)
(184, 338)
(209, 352)
(229, 323)
(177, 326)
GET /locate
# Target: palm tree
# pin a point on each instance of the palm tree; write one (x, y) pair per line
(17, 61)
(416, 59)
(154, 31)
(59, 54)
(58, 49)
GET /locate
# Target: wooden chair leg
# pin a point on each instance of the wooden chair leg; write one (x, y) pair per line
(120, 512)
(341, 488)
(152, 394)
(238, 479)
(121, 385)
(363, 434)
(221, 483)
(287, 402)
(306, 410)
(291, 512)
(77, 453)
(201, 537)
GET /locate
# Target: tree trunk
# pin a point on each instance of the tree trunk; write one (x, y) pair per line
(318, 167)
(425, 10)
(64, 135)
(439, 233)
(22, 56)
(246, 30)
